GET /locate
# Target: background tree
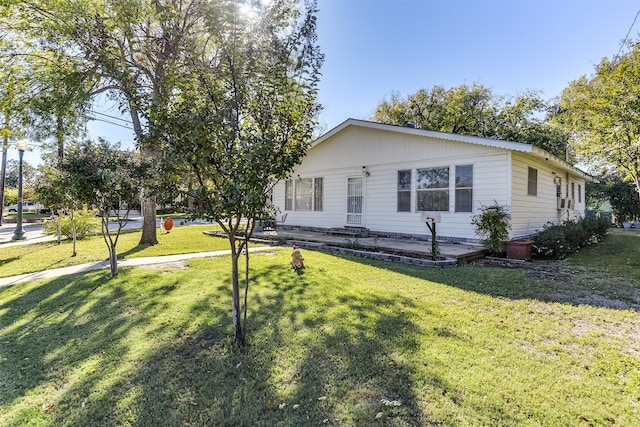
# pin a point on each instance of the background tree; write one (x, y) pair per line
(130, 49)
(12, 178)
(624, 199)
(474, 110)
(602, 112)
(596, 194)
(54, 189)
(242, 118)
(108, 179)
(12, 106)
(58, 114)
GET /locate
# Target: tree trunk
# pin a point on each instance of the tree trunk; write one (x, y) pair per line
(111, 244)
(148, 203)
(149, 236)
(58, 227)
(73, 233)
(60, 137)
(239, 338)
(113, 261)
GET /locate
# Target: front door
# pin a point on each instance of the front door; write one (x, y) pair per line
(355, 200)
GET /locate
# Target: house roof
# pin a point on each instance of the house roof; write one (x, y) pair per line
(496, 143)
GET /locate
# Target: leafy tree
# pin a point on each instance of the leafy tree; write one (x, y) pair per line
(13, 177)
(130, 49)
(59, 112)
(623, 197)
(55, 189)
(596, 194)
(108, 179)
(12, 106)
(602, 112)
(474, 110)
(241, 117)
(10, 196)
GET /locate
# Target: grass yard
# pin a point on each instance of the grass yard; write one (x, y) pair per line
(43, 256)
(347, 342)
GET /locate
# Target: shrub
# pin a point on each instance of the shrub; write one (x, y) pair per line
(11, 196)
(559, 240)
(492, 223)
(86, 222)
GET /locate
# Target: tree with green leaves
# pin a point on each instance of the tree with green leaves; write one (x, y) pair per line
(12, 107)
(13, 176)
(241, 117)
(128, 49)
(474, 110)
(602, 112)
(103, 176)
(55, 190)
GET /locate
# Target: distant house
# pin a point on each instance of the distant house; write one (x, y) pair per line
(382, 177)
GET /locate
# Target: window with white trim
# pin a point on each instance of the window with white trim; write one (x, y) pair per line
(573, 190)
(579, 193)
(464, 188)
(404, 191)
(303, 194)
(432, 189)
(532, 182)
(288, 195)
(317, 194)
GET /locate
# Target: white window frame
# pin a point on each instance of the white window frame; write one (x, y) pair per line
(420, 190)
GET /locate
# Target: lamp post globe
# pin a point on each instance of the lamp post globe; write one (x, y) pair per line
(18, 234)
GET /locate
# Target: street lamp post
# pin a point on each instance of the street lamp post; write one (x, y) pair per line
(18, 234)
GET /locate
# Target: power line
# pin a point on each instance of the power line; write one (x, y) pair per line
(107, 121)
(627, 36)
(111, 117)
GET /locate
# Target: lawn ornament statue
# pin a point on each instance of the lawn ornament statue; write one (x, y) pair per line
(297, 260)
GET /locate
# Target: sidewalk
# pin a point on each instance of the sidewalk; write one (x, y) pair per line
(130, 262)
(32, 232)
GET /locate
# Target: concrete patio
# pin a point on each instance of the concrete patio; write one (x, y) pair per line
(408, 250)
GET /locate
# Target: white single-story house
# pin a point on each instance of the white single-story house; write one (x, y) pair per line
(383, 177)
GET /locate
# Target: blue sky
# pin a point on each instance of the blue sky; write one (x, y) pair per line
(375, 47)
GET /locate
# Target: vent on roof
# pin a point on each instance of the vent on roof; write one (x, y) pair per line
(410, 125)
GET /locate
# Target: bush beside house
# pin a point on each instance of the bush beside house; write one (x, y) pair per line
(559, 240)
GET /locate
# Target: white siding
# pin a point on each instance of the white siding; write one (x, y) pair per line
(499, 175)
(384, 154)
(530, 213)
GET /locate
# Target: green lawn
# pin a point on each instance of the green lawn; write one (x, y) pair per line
(619, 254)
(37, 257)
(347, 342)
(26, 215)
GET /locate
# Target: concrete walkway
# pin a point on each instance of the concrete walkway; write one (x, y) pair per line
(34, 234)
(129, 262)
(458, 252)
